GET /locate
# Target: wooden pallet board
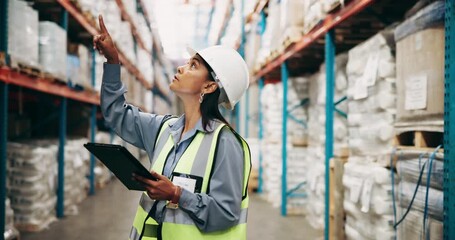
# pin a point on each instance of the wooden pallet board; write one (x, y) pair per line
(35, 227)
(2, 59)
(420, 139)
(337, 213)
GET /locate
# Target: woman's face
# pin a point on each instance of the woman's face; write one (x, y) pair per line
(191, 78)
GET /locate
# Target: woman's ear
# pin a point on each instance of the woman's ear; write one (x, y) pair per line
(210, 87)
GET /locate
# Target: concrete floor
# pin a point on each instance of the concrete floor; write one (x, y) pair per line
(109, 214)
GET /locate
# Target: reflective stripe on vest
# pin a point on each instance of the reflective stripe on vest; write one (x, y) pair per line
(197, 160)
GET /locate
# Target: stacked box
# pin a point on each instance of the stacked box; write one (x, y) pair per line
(420, 85)
(144, 64)
(31, 183)
(271, 102)
(73, 65)
(23, 33)
(10, 231)
(291, 24)
(371, 117)
(85, 66)
(316, 136)
(372, 98)
(314, 13)
(52, 49)
(368, 201)
(76, 172)
(409, 167)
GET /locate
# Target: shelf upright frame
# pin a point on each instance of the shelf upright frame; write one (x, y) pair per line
(62, 139)
(329, 110)
(92, 126)
(449, 122)
(3, 115)
(284, 140)
(261, 135)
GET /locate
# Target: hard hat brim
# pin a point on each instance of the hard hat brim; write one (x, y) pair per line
(191, 51)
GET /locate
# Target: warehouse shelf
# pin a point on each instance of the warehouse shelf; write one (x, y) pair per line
(44, 85)
(134, 30)
(85, 23)
(341, 30)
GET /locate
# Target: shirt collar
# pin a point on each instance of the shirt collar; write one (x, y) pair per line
(180, 123)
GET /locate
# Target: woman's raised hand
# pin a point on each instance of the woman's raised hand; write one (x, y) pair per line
(104, 44)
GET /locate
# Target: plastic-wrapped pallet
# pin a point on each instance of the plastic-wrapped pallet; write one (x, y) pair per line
(144, 32)
(269, 40)
(125, 42)
(52, 49)
(291, 24)
(10, 231)
(368, 201)
(23, 33)
(314, 13)
(102, 173)
(411, 227)
(85, 66)
(99, 65)
(420, 85)
(315, 175)
(144, 64)
(271, 102)
(409, 166)
(131, 9)
(76, 171)
(93, 7)
(73, 65)
(31, 184)
(372, 97)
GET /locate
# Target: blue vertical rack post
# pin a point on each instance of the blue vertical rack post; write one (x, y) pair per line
(92, 126)
(62, 140)
(284, 140)
(261, 135)
(242, 53)
(449, 122)
(330, 83)
(3, 115)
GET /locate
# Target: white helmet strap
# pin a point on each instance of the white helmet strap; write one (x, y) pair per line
(223, 96)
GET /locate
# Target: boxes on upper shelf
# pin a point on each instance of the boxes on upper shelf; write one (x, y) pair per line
(420, 70)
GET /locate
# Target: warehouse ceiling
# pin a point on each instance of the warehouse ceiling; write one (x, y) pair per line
(197, 23)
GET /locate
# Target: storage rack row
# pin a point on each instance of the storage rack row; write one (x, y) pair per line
(320, 45)
(70, 17)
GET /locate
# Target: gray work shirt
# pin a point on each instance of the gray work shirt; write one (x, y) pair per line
(217, 210)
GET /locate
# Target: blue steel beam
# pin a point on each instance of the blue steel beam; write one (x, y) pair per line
(261, 86)
(3, 141)
(62, 140)
(449, 122)
(92, 128)
(329, 109)
(284, 80)
(4, 26)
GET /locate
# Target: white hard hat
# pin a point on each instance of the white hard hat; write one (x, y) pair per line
(229, 71)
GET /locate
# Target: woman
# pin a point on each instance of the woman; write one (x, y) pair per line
(201, 165)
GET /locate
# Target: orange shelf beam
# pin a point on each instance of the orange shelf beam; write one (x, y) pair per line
(46, 86)
(329, 22)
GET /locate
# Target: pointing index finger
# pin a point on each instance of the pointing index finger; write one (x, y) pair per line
(102, 26)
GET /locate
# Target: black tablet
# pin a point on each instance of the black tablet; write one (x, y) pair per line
(121, 162)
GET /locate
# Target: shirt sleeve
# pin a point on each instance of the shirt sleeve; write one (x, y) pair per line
(220, 208)
(132, 125)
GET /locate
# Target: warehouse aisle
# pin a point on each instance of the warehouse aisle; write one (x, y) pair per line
(108, 215)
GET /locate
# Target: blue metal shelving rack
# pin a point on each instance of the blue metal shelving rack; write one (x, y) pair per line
(3, 115)
(449, 122)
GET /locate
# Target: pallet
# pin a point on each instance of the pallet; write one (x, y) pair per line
(292, 35)
(35, 227)
(337, 213)
(53, 78)
(419, 139)
(25, 68)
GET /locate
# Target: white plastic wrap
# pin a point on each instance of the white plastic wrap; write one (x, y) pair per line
(52, 49)
(291, 14)
(314, 12)
(31, 183)
(367, 201)
(435, 199)
(315, 176)
(144, 64)
(85, 66)
(23, 33)
(372, 96)
(409, 167)
(412, 227)
(76, 172)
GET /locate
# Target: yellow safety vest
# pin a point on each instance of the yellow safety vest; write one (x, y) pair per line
(197, 160)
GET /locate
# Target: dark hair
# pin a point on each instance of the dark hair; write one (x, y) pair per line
(209, 106)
